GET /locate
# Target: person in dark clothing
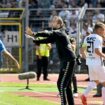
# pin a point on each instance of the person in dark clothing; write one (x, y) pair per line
(98, 91)
(74, 79)
(66, 56)
(42, 59)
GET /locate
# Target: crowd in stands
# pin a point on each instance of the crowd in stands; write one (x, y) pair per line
(52, 3)
(8, 4)
(49, 8)
(61, 3)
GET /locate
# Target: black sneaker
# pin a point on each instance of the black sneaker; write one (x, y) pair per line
(87, 79)
(97, 95)
(46, 79)
(38, 79)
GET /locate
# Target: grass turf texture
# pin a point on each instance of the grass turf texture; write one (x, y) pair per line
(15, 87)
(8, 96)
(7, 87)
(12, 99)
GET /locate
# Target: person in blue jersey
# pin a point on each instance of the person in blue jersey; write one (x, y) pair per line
(7, 54)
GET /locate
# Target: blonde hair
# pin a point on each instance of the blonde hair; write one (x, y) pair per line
(59, 20)
(99, 25)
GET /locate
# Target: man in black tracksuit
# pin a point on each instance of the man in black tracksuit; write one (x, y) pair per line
(66, 55)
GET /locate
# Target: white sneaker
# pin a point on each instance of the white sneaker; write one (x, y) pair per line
(75, 95)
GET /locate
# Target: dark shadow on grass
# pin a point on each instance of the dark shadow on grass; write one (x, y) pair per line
(25, 89)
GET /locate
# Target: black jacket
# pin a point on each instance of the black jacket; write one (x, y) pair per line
(60, 38)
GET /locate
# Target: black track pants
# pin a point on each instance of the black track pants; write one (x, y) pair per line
(64, 82)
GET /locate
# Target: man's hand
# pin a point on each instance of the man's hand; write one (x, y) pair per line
(29, 31)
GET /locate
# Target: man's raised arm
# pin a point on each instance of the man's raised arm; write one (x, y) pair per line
(38, 34)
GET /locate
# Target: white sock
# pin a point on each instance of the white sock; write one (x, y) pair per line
(91, 85)
(103, 94)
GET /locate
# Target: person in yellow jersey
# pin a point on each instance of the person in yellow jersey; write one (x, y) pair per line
(42, 58)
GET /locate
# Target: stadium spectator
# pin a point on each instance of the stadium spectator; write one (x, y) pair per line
(86, 29)
(72, 3)
(14, 5)
(42, 58)
(8, 5)
(88, 2)
(73, 30)
(98, 17)
(33, 4)
(88, 18)
(80, 3)
(72, 21)
(0, 5)
(73, 15)
(21, 3)
(57, 4)
(39, 19)
(44, 3)
(64, 13)
(53, 13)
(94, 3)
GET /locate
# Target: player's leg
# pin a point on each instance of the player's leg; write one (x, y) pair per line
(64, 82)
(39, 67)
(101, 78)
(45, 68)
(59, 82)
(90, 86)
(67, 83)
(74, 81)
(98, 91)
(103, 94)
